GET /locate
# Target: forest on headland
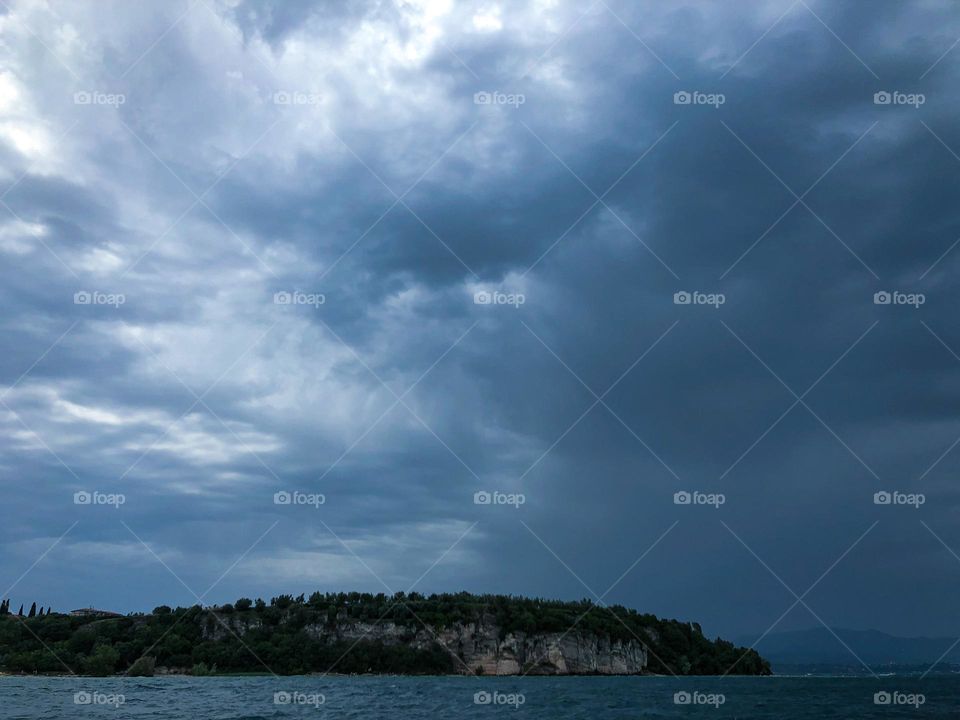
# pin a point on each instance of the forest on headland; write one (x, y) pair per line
(298, 635)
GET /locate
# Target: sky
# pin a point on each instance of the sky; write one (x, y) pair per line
(437, 296)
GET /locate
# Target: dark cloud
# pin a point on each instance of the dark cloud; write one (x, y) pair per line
(398, 397)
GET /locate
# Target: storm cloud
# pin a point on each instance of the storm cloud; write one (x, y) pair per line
(399, 253)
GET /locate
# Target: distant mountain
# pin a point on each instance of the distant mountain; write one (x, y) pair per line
(820, 647)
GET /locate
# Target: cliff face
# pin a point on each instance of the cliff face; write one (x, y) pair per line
(481, 650)
(573, 653)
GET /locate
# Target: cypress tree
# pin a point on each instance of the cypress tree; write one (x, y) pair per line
(33, 610)
(20, 611)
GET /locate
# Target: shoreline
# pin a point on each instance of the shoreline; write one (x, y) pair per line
(343, 675)
(680, 678)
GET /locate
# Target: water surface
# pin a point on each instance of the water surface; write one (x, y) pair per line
(375, 698)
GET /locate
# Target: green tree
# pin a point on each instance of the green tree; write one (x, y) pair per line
(142, 667)
(102, 662)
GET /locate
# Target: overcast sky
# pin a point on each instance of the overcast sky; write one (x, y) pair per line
(170, 170)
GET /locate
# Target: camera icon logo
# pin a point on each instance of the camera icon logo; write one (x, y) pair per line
(482, 698)
(82, 698)
(482, 297)
(82, 498)
(482, 497)
(682, 97)
(82, 298)
(282, 498)
(682, 698)
(882, 98)
(882, 498)
(281, 698)
(682, 498)
(282, 298)
(82, 98)
(882, 298)
(282, 97)
(482, 98)
(882, 698)
(682, 298)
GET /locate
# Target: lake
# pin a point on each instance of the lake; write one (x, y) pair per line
(553, 698)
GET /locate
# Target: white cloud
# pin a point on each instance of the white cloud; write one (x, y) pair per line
(20, 237)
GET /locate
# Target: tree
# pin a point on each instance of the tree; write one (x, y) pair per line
(282, 602)
(142, 667)
(103, 662)
(20, 611)
(33, 610)
(243, 604)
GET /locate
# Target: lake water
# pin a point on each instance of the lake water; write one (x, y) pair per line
(375, 698)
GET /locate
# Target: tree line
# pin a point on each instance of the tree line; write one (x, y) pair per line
(297, 634)
(33, 612)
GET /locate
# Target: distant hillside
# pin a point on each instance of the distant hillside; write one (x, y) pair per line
(818, 646)
(364, 633)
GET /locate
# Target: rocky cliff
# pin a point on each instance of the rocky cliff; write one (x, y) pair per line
(481, 647)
